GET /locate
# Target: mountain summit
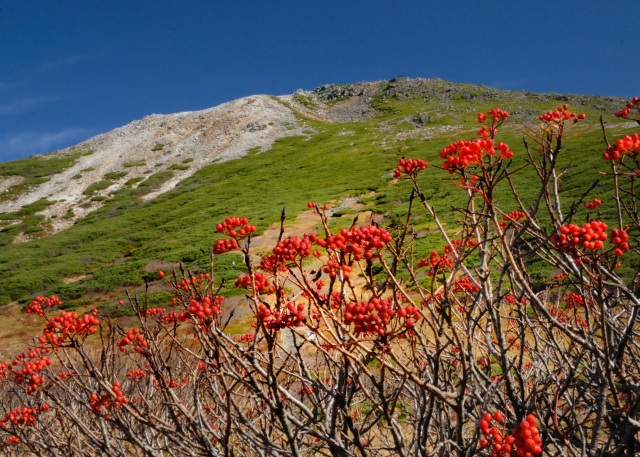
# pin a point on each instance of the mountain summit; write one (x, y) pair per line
(159, 151)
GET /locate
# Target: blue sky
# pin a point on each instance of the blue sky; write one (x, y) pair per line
(72, 69)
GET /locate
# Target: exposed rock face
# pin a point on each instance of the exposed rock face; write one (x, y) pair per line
(182, 143)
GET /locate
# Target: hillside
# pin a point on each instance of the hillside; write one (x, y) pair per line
(88, 221)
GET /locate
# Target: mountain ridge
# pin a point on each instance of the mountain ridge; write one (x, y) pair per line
(180, 144)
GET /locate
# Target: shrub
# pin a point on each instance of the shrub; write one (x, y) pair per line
(359, 345)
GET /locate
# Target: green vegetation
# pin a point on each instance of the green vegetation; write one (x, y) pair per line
(157, 147)
(97, 186)
(115, 175)
(36, 170)
(139, 163)
(133, 181)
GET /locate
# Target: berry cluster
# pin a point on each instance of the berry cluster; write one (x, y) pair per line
(410, 167)
(358, 241)
(629, 145)
(573, 300)
(105, 401)
(226, 245)
(512, 217)
(134, 337)
(497, 118)
(464, 285)
(624, 112)
(154, 311)
(23, 416)
(234, 227)
(593, 204)
(371, 317)
(332, 268)
(272, 263)
(620, 238)
(262, 284)
(496, 114)
(461, 154)
(437, 262)
(186, 283)
(524, 440)
(136, 374)
(69, 325)
(38, 304)
(30, 373)
(561, 114)
(207, 307)
(247, 337)
(277, 320)
(590, 236)
(287, 249)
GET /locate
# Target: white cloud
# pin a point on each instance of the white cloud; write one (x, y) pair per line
(24, 104)
(28, 143)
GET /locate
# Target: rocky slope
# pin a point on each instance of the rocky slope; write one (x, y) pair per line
(178, 145)
(182, 143)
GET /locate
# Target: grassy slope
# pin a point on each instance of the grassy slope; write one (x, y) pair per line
(115, 243)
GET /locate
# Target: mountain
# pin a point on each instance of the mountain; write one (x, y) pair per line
(87, 221)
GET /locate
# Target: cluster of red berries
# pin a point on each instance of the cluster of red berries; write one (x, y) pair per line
(511, 217)
(262, 284)
(464, 285)
(226, 245)
(437, 262)
(105, 401)
(38, 304)
(514, 216)
(410, 167)
(31, 370)
(23, 416)
(624, 112)
(247, 338)
(369, 317)
(629, 145)
(286, 250)
(620, 238)
(561, 114)
(234, 227)
(207, 307)
(358, 241)
(524, 440)
(333, 268)
(154, 311)
(593, 204)
(68, 324)
(590, 236)
(173, 317)
(496, 115)
(373, 317)
(272, 264)
(135, 338)
(136, 374)
(461, 154)
(573, 300)
(277, 320)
